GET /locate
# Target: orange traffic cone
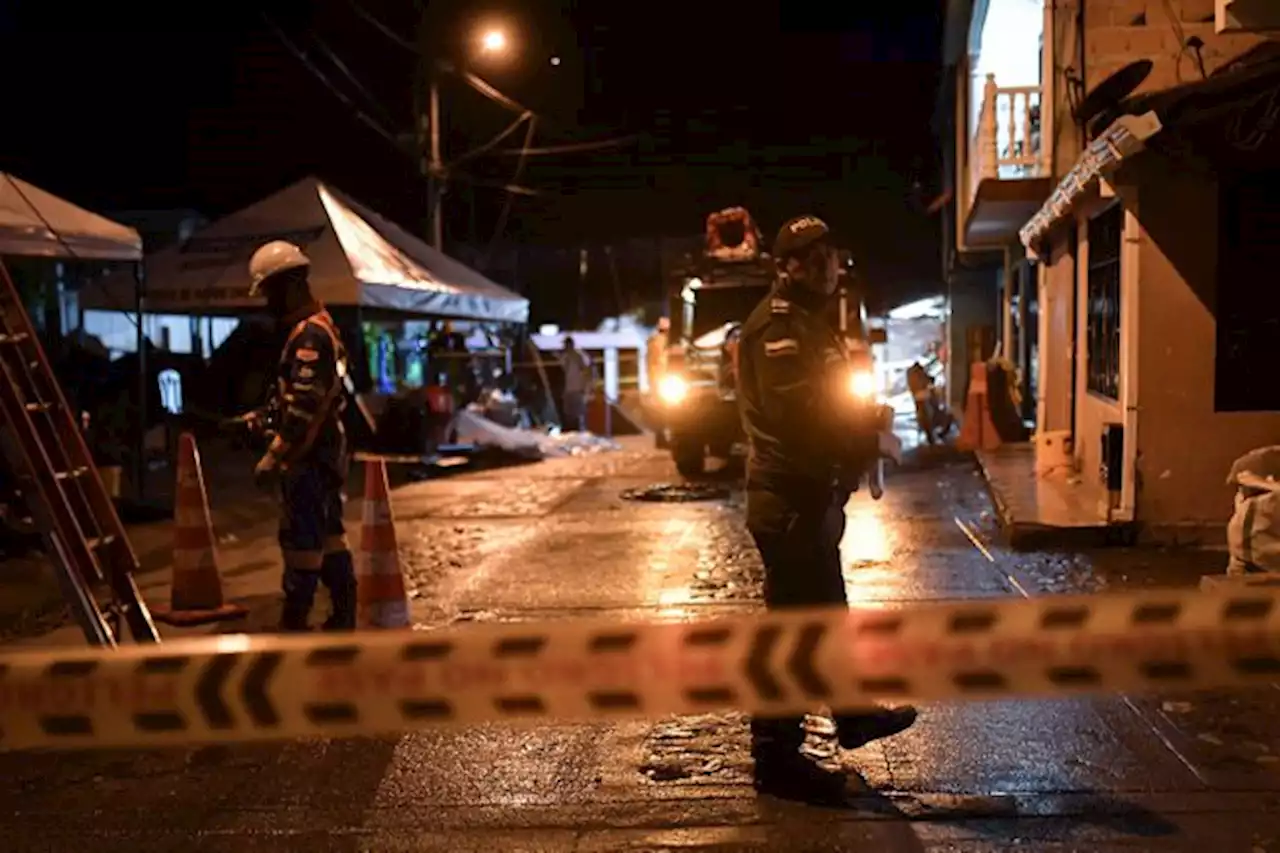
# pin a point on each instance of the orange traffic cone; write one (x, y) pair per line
(196, 597)
(977, 431)
(381, 597)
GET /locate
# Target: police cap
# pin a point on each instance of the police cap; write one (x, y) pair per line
(797, 235)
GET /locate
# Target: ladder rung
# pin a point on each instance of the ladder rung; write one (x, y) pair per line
(39, 407)
(14, 338)
(100, 541)
(74, 472)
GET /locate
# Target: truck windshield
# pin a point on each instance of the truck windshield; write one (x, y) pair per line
(715, 306)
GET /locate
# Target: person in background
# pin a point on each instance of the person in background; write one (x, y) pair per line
(577, 386)
(656, 352)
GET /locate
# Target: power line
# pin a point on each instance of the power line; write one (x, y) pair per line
(485, 88)
(372, 123)
(359, 113)
(571, 147)
(346, 72)
(382, 28)
(509, 200)
(492, 143)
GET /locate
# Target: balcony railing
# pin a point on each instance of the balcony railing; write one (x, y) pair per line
(1006, 145)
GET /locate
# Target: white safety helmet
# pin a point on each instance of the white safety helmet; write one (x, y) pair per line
(272, 258)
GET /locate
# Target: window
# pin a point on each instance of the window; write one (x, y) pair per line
(1103, 319)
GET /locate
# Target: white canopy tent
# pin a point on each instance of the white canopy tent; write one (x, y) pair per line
(36, 223)
(358, 258)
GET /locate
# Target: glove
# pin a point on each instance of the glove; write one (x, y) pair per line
(266, 471)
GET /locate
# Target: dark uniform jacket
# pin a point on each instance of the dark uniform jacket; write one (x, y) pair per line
(793, 392)
(309, 399)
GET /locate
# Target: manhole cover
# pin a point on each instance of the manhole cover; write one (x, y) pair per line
(677, 493)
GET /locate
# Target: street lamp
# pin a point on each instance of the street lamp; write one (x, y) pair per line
(492, 43)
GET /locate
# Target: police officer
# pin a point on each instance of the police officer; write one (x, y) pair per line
(804, 461)
(308, 447)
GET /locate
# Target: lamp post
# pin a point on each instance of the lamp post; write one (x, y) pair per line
(491, 42)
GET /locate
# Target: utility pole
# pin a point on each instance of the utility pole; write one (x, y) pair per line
(430, 163)
(436, 182)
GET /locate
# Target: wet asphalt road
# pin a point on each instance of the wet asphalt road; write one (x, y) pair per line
(556, 540)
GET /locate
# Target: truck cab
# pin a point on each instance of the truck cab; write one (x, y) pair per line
(696, 407)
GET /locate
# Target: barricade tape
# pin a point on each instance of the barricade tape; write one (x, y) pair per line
(243, 688)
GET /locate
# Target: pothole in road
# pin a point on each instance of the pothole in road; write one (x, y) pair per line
(677, 493)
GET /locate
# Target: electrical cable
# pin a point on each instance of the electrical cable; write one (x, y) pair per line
(351, 77)
(492, 143)
(1178, 33)
(509, 200)
(471, 79)
(572, 147)
(360, 115)
(382, 28)
(373, 124)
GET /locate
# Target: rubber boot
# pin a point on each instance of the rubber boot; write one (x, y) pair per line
(339, 575)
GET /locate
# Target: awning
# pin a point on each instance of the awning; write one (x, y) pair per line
(1219, 118)
(1125, 137)
(35, 223)
(358, 258)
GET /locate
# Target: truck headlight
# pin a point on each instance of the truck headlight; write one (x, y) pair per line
(862, 385)
(672, 390)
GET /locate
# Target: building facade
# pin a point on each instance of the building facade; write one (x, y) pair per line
(1130, 204)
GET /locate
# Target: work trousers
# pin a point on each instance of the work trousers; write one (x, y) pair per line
(314, 544)
(797, 529)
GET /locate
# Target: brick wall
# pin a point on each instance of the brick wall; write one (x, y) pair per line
(1118, 32)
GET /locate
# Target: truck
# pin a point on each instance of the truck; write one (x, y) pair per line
(696, 409)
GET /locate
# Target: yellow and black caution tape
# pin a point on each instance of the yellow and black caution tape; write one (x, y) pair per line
(234, 688)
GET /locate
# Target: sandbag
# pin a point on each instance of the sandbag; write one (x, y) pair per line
(1253, 534)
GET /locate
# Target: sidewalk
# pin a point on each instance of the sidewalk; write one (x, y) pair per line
(1042, 510)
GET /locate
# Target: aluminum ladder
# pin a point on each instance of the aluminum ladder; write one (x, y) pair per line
(60, 487)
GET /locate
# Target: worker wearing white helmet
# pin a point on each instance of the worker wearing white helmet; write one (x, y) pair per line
(308, 453)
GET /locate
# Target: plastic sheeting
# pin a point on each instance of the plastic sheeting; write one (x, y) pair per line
(474, 428)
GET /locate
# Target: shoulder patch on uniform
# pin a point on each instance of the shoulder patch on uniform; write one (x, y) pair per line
(783, 346)
(307, 354)
(779, 306)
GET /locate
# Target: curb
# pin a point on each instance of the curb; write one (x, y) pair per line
(1033, 536)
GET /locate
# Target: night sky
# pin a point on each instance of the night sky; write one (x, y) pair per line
(206, 107)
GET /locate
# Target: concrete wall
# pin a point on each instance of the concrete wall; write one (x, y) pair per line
(1185, 447)
(1118, 32)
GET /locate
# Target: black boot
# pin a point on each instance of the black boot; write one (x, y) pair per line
(339, 576)
(299, 595)
(793, 776)
(853, 731)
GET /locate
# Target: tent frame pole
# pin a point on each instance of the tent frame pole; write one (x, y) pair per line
(140, 446)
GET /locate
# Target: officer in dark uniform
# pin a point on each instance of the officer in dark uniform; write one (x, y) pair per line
(806, 458)
(308, 451)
